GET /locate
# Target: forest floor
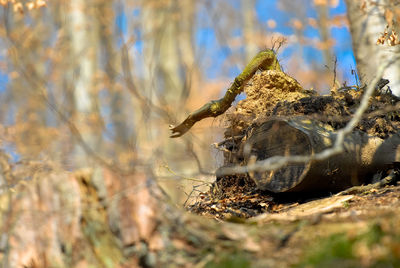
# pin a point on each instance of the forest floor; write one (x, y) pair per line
(358, 227)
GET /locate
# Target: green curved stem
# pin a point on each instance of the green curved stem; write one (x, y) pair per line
(265, 60)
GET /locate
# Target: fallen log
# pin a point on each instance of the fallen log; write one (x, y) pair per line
(363, 155)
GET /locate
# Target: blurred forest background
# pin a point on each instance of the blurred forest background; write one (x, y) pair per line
(98, 82)
(92, 86)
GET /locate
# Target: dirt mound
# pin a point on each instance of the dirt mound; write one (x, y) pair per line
(263, 93)
(273, 94)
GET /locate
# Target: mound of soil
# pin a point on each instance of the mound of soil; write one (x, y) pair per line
(263, 93)
(273, 94)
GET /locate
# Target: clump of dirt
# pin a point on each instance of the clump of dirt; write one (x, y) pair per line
(275, 94)
(337, 108)
(263, 93)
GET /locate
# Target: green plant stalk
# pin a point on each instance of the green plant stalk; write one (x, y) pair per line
(264, 60)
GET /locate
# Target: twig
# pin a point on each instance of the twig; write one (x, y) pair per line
(183, 177)
(334, 73)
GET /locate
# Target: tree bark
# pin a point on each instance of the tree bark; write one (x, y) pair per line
(323, 28)
(249, 17)
(83, 30)
(366, 26)
(363, 155)
(117, 103)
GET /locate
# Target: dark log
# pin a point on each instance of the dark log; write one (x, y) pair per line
(363, 155)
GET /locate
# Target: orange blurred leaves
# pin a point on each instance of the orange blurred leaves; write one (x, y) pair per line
(271, 23)
(18, 7)
(331, 3)
(297, 24)
(335, 21)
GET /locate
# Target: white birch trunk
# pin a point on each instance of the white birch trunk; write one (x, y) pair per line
(84, 40)
(366, 26)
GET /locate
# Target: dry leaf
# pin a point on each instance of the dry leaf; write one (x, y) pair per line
(320, 2)
(313, 22)
(334, 3)
(18, 8)
(30, 5)
(297, 24)
(363, 6)
(271, 23)
(389, 17)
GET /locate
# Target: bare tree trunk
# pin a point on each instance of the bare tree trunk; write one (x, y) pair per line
(170, 64)
(84, 39)
(366, 26)
(118, 113)
(186, 48)
(323, 27)
(249, 28)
